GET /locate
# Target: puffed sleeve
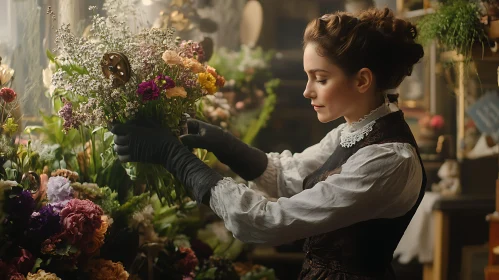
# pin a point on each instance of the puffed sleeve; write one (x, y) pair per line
(378, 181)
(286, 171)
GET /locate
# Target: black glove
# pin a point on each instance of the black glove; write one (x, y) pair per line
(246, 161)
(152, 145)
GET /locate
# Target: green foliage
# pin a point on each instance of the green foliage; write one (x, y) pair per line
(455, 24)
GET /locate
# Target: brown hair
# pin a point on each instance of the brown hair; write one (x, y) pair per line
(373, 39)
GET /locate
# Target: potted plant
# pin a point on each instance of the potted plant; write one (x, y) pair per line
(455, 25)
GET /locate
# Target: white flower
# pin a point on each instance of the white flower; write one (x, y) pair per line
(47, 74)
(6, 74)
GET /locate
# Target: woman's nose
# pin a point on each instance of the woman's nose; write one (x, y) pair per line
(308, 92)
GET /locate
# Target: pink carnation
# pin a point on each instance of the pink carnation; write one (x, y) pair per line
(80, 219)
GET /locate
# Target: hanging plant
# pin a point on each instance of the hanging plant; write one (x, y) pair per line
(455, 25)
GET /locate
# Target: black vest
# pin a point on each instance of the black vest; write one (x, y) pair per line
(363, 250)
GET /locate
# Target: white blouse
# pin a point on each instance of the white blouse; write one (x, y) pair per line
(378, 181)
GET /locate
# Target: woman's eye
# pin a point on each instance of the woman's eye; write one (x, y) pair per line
(321, 81)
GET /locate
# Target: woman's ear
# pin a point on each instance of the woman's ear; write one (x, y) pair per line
(364, 80)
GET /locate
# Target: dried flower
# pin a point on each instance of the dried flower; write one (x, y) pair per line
(176, 91)
(164, 82)
(42, 275)
(6, 73)
(105, 269)
(59, 190)
(148, 90)
(80, 219)
(7, 94)
(171, 58)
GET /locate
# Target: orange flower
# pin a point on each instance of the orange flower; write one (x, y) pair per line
(101, 269)
(98, 237)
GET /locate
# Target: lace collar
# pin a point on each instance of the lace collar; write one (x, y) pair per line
(356, 131)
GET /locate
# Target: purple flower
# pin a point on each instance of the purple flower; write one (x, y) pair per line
(45, 222)
(148, 90)
(164, 82)
(59, 190)
(22, 205)
(66, 113)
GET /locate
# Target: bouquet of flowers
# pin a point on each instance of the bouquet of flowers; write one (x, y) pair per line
(114, 75)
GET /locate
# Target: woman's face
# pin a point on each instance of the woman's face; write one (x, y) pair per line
(331, 92)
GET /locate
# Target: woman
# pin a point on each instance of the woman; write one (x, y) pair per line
(353, 194)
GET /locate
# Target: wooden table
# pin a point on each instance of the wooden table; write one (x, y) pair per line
(442, 210)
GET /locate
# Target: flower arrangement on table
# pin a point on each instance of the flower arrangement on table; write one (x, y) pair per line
(114, 75)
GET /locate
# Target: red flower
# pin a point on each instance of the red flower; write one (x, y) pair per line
(80, 219)
(187, 264)
(437, 122)
(8, 95)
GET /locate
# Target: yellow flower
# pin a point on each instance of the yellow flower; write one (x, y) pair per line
(176, 91)
(10, 126)
(42, 275)
(208, 82)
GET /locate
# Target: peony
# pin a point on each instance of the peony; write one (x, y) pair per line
(148, 90)
(105, 269)
(42, 275)
(80, 219)
(59, 190)
(7, 94)
(171, 58)
(176, 91)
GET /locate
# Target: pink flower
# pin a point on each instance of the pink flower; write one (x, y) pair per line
(437, 122)
(148, 90)
(80, 219)
(7, 94)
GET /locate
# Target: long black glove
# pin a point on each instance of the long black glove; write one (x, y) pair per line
(152, 145)
(246, 161)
